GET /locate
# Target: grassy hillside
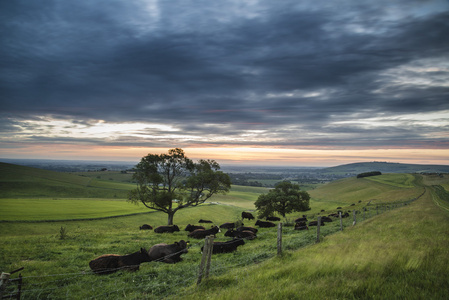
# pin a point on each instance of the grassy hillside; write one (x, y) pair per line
(401, 253)
(20, 181)
(385, 167)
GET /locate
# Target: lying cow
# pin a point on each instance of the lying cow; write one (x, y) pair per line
(265, 224)
(245, 234)
(145, 227)
(302, 223)
(315, 223)
(302, 219)
(326, 219)
(227, 225)
(169, 254)
(191, 228)
(110, 263)
(273, 219)
(246, 228)
(166, 229)
(247, 215)
(202, 233)
(204, 221)
(226, 247)
(301, 227)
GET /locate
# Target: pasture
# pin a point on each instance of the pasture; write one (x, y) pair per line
(346, 264)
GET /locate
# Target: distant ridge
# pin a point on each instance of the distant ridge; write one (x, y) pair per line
(386, 167)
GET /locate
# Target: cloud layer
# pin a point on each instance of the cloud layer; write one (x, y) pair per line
(292, 74)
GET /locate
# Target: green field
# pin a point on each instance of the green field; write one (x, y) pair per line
(399, 253)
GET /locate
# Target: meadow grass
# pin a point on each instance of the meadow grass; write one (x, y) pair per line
(380, 257)
(64, 209)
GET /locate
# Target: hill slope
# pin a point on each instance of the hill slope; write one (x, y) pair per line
(20, 181)
(385, 167)
(401, 254)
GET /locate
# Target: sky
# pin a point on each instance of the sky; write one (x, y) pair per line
(294, 83)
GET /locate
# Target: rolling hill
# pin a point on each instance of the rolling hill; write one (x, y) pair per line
(21, 181)
(385, 167)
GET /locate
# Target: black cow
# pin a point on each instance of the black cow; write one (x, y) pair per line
(202, 233)
(302, 219)
(302, 223)
(204, 221)
(299, 226)
(191, 228)
(315, 223)
(227, 225)
(110, 263)
(345, 215)
(326, 219)
(245, 234)
(247, 215)
(226, 247)
(273, 219)
(245, 228)
(145, 227)
(265, 224)
(166, 229)
(169, 254)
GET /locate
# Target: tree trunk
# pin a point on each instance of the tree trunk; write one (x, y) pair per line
(170, 217)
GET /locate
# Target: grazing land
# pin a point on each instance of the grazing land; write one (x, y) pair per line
(390, 253)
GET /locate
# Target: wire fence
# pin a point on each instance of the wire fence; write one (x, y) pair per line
(160, 280)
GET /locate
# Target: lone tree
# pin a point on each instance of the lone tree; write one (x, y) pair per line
(285, 198)
(170, 182)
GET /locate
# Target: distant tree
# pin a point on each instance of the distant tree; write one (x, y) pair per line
(368, 174)
(170, 182)
(285, 198)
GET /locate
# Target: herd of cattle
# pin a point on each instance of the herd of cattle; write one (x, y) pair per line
(171, 253)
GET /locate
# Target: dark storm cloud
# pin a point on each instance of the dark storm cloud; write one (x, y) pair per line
(282, 67)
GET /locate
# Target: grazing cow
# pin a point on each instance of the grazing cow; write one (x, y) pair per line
(273, 219)
(245, 234)
(345, 215)
(166, 229)
(227, 225)
(298, 227)
(302, 223)
(145, 227)
(247, 215)
(226, 247)
(204, 221)
(335, 215)
(245, 228)
(302, 219)
(169, 254)
(339, 207)
(315, 223)
(264, 224)
(202, 233)
(191, 228)
(110, 263)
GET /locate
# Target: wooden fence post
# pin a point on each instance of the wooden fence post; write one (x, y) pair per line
(279, 239)
(3, 283)
(209, 255)
(207, 251)
(341, 221)
(355, 220)
(318, 225)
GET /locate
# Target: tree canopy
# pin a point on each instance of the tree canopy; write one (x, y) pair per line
(170, 182)
(285, 198)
